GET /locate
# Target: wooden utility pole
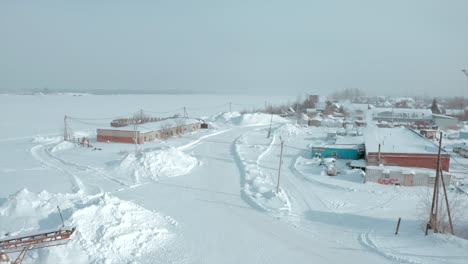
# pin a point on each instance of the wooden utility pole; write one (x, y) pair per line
(135, 127)
(398, 226)
(280, 162)
(185, 112)
(271, 121)
(446, 202)
(435, 195)
(65, 129)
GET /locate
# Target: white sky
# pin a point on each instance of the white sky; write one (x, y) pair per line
(383, 47)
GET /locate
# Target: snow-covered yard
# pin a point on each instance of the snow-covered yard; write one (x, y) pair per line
(204, 197)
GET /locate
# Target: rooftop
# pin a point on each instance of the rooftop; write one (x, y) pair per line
(397, 140)
(410, 113)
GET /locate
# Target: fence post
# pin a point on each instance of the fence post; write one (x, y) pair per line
(398, 226)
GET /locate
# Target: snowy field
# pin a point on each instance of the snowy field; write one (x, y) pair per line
(204, 197)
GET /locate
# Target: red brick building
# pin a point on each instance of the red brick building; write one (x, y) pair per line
(402, 147)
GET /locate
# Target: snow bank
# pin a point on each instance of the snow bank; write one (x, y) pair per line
(288, 130)
(259, 189)
(259, 119)
(64, 145)
(108, 230)
(43, 139)
(156, 164)
(225, 117)
(235, 118)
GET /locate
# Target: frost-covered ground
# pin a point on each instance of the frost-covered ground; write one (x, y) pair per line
(206, 197)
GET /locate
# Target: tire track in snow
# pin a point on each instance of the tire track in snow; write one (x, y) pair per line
(84, 168)
(77, 184)
(366, 241)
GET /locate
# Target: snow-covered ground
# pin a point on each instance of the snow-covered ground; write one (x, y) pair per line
(205, 197)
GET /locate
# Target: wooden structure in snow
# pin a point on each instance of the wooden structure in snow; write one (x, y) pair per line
(36, 241)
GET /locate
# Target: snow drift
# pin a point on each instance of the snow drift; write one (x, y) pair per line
(259, 189)
(235, 118)
(157, 164)
(109, 230)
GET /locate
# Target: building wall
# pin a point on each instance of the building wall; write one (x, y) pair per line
(428, 161)
(413, 179)
(463, 135)
(120, 136)
(445, 122)
(127, 136)
(352, 154)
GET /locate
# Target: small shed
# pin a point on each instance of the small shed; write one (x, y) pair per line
(315, 122)
(428, 133)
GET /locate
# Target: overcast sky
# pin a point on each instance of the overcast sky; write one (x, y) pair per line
(401, 47)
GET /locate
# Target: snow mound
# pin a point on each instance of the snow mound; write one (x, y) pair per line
(259, 189)
(64, 145)
(259, 119)
(225, 117)
(288, 130)
(118, 231)
(43, 139)
(235, 118)
(157, 164)
(108, 230)
(23, 211)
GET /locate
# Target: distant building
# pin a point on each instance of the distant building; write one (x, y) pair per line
(314, 98)
(345, 147)
(148, 131)
(457, 113)
(403, 176)
(402, 115)
(444, 121)
(402, 147)
(428, 133)
(463, 134)
(315, 122)
(462, 150)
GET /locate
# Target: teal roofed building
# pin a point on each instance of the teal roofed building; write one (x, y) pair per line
(350, 152)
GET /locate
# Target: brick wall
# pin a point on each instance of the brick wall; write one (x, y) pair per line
(428, 161)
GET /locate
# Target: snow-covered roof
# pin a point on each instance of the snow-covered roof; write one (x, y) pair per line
(403, 112)
(320, 106)
(454, 111)
(397, 140)
(336, 146)
(349, 140)
(443, 116)
(404, 170)
(359, 163)
(154, 126)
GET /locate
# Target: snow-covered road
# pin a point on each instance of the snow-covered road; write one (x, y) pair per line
(218, 226)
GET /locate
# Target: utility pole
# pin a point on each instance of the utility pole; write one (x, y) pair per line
(280, 162)
(65, 130)
(271, 121)
(135, 127)
(446, 202)
(230, 105)
(435, 196)
(185, 112)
